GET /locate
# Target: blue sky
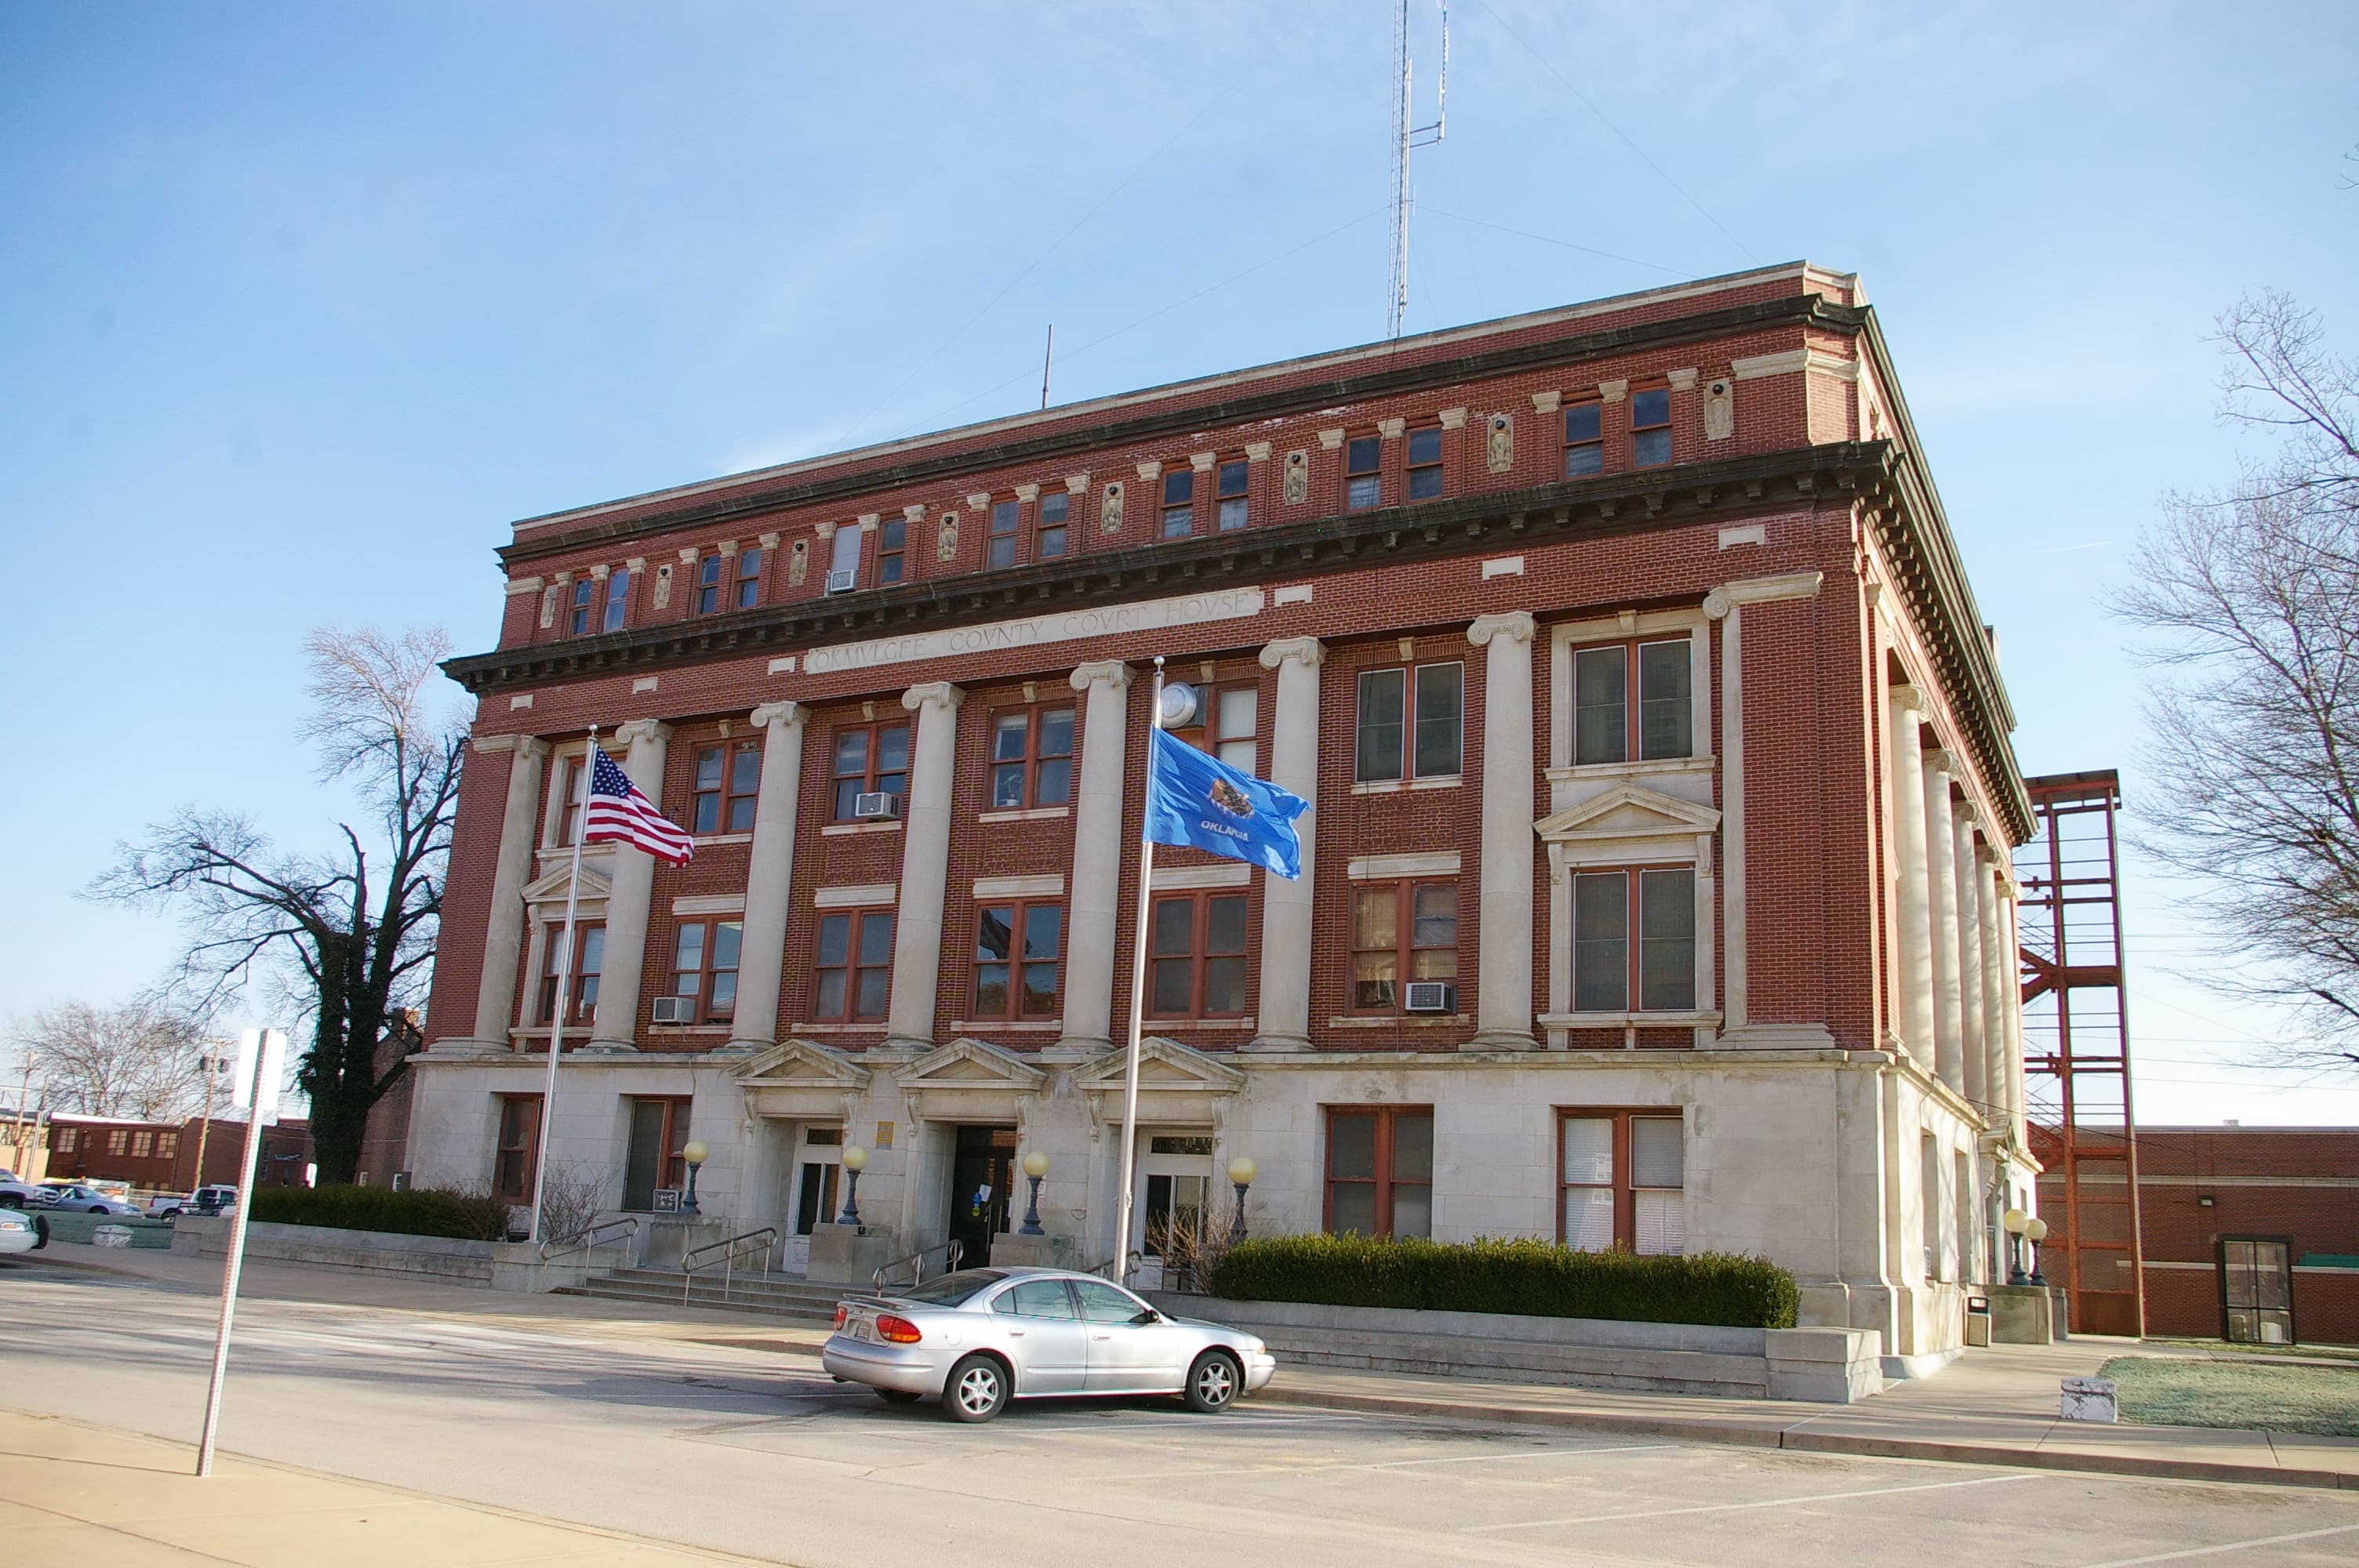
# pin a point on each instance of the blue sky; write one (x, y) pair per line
(300, 305)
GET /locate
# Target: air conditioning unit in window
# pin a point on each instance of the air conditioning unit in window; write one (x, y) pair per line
(1432, 996)
(842, 582)
(881, 806)
(675, 1009)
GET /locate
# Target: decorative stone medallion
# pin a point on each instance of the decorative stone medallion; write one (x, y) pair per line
(1298, 477)
(1718, 410)
(1110, 509)
(1499, 443)
(946, 542)
(663, 595)
(798, 563)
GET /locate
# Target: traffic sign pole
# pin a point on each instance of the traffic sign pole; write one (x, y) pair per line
(261, 1103)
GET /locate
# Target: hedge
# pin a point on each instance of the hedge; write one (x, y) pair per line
(415, 1211)
(1522, 1278)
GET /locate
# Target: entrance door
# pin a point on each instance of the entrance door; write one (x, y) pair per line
(815, 1196)
(2257, 1290)
(1173, 1205)
(981, 1168)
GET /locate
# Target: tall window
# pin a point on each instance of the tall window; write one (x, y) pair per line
(1197, 944)
(1000, 549)
(1650, 427)
(1401, 931)
(118, 1142)
(1585, 440)
(843, 556)
(1055, 512)
(711, 578)
(168, 1146)
(569, 822)
(1179, 503)
(1633, 700)
(1364, 485)
(855, 966)
(584, 592)
(892, 550)
(652, 1158)
(1380, 1171)
(1032, 758)
(65, 1140)
(869, 760)
(1621, 1182)
(143, 1143)
(1016, 949)
(591, 939)
(518, 1146)
(1658, 966)
(704, 968)
(728, 780)
(1425, 463)
(1224, 723)
(1229, 485)
(1387, 747)
(618, 599)
(749, 580)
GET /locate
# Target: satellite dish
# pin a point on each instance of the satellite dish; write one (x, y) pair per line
(1179, 705)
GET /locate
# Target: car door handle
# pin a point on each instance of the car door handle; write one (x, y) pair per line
(1014, 1334)
(1102, 1336)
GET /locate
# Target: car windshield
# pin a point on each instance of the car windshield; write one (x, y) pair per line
(952, 1290)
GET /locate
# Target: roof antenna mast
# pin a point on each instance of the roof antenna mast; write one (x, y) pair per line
(1404, 137)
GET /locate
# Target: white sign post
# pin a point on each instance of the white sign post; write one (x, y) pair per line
(261, 1068)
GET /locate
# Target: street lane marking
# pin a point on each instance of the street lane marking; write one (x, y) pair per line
(2231, 1546)
(1733, 1507)
(1527, 1454)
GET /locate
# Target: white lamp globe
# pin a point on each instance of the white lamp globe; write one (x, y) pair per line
(1036, 1164)
(1242, 1169)
(854, 1157)
(695, 1151)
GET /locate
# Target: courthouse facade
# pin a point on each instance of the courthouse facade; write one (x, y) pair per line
(1656, 886)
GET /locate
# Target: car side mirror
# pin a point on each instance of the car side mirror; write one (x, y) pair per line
(1147, 1318)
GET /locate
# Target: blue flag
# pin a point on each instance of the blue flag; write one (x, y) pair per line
(1197, 799)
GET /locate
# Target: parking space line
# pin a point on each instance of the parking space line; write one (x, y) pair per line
(1526, 1454)
(1733, 1507)
(2229, 1546)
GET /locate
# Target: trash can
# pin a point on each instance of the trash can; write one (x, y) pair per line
(1978, 1321)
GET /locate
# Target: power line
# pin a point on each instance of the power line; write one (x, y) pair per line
(1567, 244)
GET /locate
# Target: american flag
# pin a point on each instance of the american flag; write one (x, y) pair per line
(618, 813)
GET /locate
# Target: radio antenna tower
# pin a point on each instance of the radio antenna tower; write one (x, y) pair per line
(1404, 137)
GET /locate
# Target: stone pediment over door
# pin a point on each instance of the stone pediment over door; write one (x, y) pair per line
(545, 894)
(799, 1080)
(971, 1078)
(1627, 822)
(1178, 1085)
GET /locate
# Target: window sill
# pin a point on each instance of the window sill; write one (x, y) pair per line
(1157, 1025)
(672, 1030)
(1008, 1026)
(1394, 786)
(1701, 763)
(846, 829)
(702, 839)
(1628, 1020)
(1401, 1021)
(869, 1026)
(1026, 813)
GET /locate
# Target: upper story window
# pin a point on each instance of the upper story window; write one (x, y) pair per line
(1055, 513)
(1016, 947)
(584, 593)
(1364, 485)
(1387, 746)
(728, 778)
(1425, 463)
(1633, 700)
(1624, 1180)
(1229, 482)
(870, 758)
(704, 968)
(569, 827)
(749, 580)
(1650, 427)
(854, 964)
(1197, 941)
(118, 1142)
(1380, 1171)
(1000, 551)
(1225, 724)
(1634, 937)
(143, 1144)
(1585, 440)
(591, 939)
(1032, 758)
(618, 600)
(1179, 503)
(1401, 933)
(167, 1145)
(892, 551)
(712, 582)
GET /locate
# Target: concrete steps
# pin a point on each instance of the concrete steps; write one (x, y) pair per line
(769, 1295)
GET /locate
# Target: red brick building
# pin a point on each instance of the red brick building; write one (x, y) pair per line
(1658, 887)
(161, 1156)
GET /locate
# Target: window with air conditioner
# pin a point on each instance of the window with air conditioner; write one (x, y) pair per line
(844, 561)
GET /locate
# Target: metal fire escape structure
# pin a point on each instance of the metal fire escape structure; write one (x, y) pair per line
(2076, 1051)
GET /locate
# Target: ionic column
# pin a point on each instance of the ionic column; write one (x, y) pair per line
(2010, 933)
(1941, 897)
(1973, 1039)
(1096, 877)
(1994, 975)
(1913, 962)
(616, 1026)
(770, 872)
(1284, 1009)
(925, 861)
(496, 993)
(1503, 995)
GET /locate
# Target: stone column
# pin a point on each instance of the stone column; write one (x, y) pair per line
(770, 872)
(1941, 898)
(1095, 895)
(1973, 1040)
(1284, 1010)
(925, 861)
(495, 992)
(1996, 973)
(616, 1025)
(2010, 936)
(1503, 993)
(1914, 960)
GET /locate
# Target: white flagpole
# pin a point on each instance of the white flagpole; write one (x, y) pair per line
(1137, 995)
(564, 986)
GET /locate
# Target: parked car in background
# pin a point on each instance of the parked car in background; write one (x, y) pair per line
(79, 1197)
(205, 1200)
(21, 1231)
(14, 1194)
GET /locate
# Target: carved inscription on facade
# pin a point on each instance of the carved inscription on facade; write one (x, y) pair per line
(1064, 626)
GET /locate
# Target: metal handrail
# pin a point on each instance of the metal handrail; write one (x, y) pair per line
(729, 1248)
(953, 1250)
(629, 1224)
(1136, 1258)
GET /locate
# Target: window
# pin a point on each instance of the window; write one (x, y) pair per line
(577, 620)
(592, 939)
(168, 1146)
(843, 556)
(1650, 427)
(618, 600)
(65, 1141)
(1056, 511)
(118, 1140)
(1037, 1298)
(1633, 700)
(143, 1143)
(1000, 549)
(704, 968)
(1179, 503)
(518, 1146)
(1229, 483)
(1198, 946)
(1032, 758)
(1362, 486)
(1608, 968)
(892, 550)
(1101, 1303)
(1380, 1171)
(709, 575)
(1425, 463)
(1016, 950)
(1224, 725)
(1385, 748)
(652, 1158)
(871, 760)
(1401, 929)
(1621, 1181)
(749, 580)
(855, 966)
(728, 779)
(1585, 440)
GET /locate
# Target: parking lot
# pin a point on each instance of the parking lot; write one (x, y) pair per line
(762, 1454)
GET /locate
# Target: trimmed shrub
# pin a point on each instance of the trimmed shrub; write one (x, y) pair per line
(419, 1211)
(1522, 1278)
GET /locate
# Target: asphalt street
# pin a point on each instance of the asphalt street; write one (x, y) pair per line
(762, 1454)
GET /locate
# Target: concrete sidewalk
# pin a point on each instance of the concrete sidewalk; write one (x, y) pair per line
(72, 1493)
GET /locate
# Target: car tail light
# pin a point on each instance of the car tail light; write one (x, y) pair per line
(842, 1312)
(897, 1330)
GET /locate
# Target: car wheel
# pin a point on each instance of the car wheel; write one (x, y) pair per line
(897, 1396)
(977, 1389)
(98, 1209)
(10, 1200)
(1213, 1382)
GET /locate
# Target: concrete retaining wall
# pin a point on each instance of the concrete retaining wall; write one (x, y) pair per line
(488, 1265)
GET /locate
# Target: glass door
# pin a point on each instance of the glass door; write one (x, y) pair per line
(2257, 1290)
(1172, 1206)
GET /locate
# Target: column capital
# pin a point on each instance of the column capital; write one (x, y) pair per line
(1310, 651)
(1906, 696)
(1940, 762)
(789, 714)
(1717, 604)
(637, 730)
(1516, 624)
(526, 747)
(1112, 674)
(938, 694)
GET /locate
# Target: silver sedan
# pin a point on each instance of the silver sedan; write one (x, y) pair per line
(979, 1337)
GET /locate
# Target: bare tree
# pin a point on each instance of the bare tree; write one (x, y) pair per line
(353, 938)
(141, 1058)
(2254, 593)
